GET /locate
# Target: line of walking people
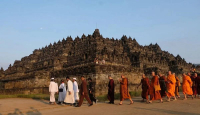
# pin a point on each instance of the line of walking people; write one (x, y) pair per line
(161, 87)
(70, 94)
(158, 88)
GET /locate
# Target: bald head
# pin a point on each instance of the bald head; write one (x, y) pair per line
(195, 75)
(170, 73)
(160, 74)
(153, 73)
(183, 74)
(109, 77)
(122, 76)
(143, 75)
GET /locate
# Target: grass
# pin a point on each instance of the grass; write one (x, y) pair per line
(132, 93)
(180, 89)
(117, 96)
(46, 96)
(101, 98)
(33, 96)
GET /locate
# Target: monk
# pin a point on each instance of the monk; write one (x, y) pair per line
(84, 93)
(154, 92)
(171, 86)
(124, 93)
(178, 84)
(145, 87)
(187, 86)
(189, 74)
(198, 85)
(163, 82)
(111, 90)
(194, 85)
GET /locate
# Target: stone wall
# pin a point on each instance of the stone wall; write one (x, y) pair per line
(74, 58)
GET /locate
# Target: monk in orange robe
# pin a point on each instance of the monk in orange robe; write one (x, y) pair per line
(171, 86)
(154, 93)
(124, 93)
(145, 87)
(187, 86)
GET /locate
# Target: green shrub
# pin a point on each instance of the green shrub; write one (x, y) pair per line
(33, 96)
(135, 93)
(103, 98)
(180, 89)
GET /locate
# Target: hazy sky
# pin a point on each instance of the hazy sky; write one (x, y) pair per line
(26, 25)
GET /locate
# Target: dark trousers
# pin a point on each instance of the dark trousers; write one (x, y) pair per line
(92, 97)
(111, 97)
(81, 99)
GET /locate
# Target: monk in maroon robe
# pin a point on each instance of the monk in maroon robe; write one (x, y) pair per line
(178, 84)
(198, 85)
(111, 90)
(145, 87)
(84, 93)
(163, 86)
(154, 93)
(194, 85)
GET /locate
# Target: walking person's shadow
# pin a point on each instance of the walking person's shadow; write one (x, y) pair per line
(33, 111)
(41, 101)
(16, 112)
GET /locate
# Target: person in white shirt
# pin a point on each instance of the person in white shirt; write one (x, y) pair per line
(53, 88)
(62, 92)
(76, 90)
(70, 92)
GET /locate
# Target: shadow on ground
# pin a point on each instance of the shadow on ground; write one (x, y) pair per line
(33, 111)
(42, 101)
(168, 111)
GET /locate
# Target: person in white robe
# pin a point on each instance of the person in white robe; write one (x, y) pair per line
(62, 92)
(53, 88)
(70, 92)
(76, 90)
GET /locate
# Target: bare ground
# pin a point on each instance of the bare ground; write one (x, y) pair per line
(21, 106)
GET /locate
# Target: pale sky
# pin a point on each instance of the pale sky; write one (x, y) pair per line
(26, 25)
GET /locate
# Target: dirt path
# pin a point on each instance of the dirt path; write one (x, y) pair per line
(20, 106)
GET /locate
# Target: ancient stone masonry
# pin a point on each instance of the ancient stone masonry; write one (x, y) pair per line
(74, 58)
